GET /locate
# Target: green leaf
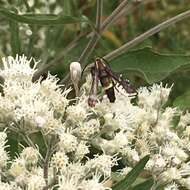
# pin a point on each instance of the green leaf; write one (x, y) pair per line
(146, 185)
(183, 101)
(41, 19)
(13, 145)
(132, 175)
(15, 40)
(39, 141)
(151, 65)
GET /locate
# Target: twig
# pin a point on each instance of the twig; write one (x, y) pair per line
(91, 44)
(95, 37)
(119, 12)
(53, 183)
(114, 14)
(146, 35)
(46, 162)
(99, 12)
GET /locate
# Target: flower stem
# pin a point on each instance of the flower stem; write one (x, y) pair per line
(46, 161)
(93, 40)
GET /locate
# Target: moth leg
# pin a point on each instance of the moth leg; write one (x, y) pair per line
(92, 99)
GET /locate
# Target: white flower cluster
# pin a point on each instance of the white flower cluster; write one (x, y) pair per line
(85, 145)
(36, 104)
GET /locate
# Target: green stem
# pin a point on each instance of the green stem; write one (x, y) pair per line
(93, 40)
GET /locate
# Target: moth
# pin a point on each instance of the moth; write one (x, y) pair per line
(108, 79)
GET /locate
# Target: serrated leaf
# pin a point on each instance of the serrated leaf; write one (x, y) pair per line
(183, 101)
(146, 185)
(153, 66)
(41, 19)
(132, 175)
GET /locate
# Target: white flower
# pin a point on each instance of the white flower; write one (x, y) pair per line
(75, 169)
(68, 142)
(143, 146)
(18, 167)
(110, 122)
(17, 69)
(31, 3)
(52, 92)
(116, 145)
(93, 184)
(81, 151)
(172, 186)
(171, 151)
(87, 129)
(30, 155)
(185, 169)
(40, 121)
(159, 163)
(153, 97)
(102, 164)
(170, 175)
(67, 183)
(35, 182)
(187, 131)
(184, 120)
(131, 155)
(38, 104)
(180, 153)
(5, 186)
(120, 139)
(169, 113)
(108, 146)
(9, 186)
(185, 182)
(76, 113)
(59, 161)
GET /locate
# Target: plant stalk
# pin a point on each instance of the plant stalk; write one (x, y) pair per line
(93, 40)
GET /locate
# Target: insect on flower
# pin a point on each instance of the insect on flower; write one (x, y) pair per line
(108, 79)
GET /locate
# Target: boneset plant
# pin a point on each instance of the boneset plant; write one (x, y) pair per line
(52, 139)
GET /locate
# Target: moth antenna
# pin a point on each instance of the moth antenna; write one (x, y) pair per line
(83, 70)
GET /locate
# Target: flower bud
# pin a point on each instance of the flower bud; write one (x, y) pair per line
(75, 72)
